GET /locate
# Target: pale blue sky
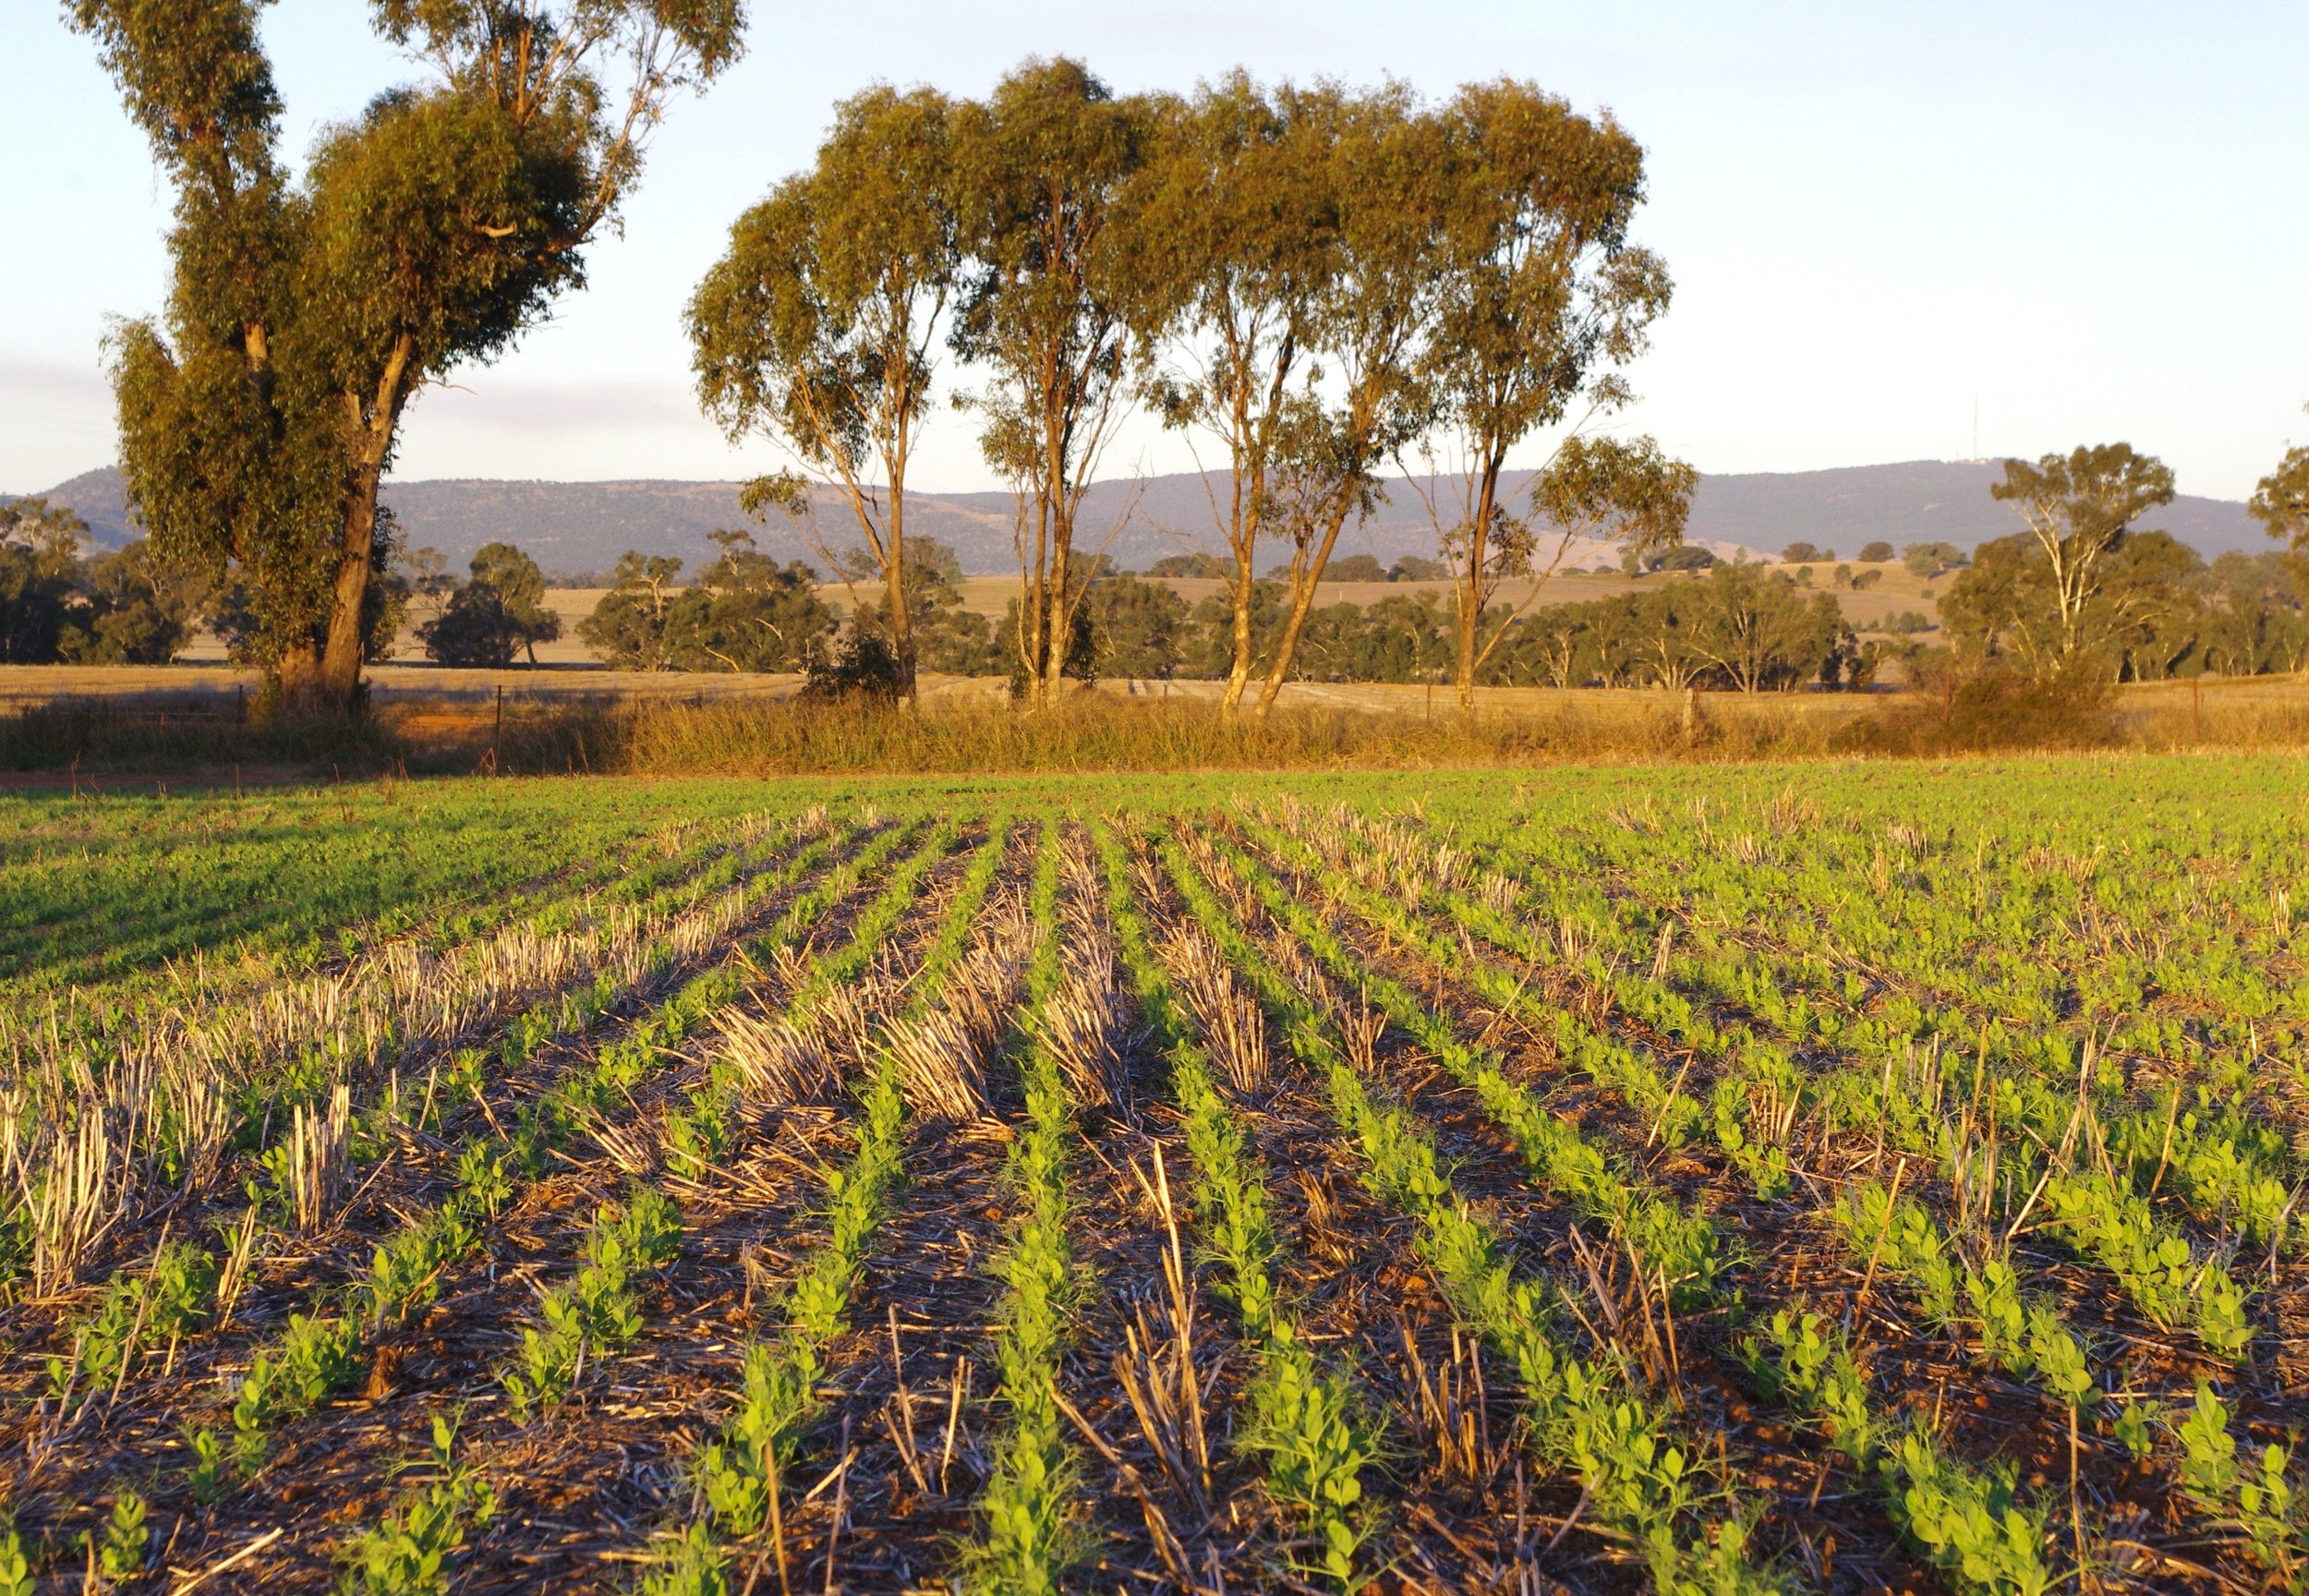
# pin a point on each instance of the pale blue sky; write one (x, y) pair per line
(2096, 217)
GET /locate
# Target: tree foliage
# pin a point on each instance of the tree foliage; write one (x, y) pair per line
(260, 411)
(58, 604)
(746, 613)
(497, 614)
(1239, 227)
(2280, 502)
(1738, 627)
(948, 638)
(1544, 298)
(1381, 161)
(2156, 611)
(2078, 508)
(1056, 309)
(39, 567)
(818, 326)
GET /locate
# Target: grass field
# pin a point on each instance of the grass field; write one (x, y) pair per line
(70, 726)
(1701, 1179)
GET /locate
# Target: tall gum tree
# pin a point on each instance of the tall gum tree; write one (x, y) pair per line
(1542, 297)
(258, 423)
(1240, 227)
(2280, 502)
(1380, 162)
(221, 462)
(817, 329)
(1595, 489)
(2078, 508)
(1054, 310)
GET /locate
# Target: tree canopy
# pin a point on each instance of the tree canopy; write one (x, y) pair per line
(260, 412)
(1056, 309)
(2078, 508)
(818, 327)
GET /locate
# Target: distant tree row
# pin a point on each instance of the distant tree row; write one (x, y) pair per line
(497, 613)
(1327, 283)
(60, 603)
(2083, 587)
(1925, 559)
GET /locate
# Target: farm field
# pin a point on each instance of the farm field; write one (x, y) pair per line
(1705, 1179)
(1895, 589)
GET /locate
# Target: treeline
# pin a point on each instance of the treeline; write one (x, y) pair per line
(60, 604)
(2159, 611)
(1324, 282)
(1747, 628)
(1328, 284)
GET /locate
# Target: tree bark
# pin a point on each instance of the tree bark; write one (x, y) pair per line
(1239, 672)
(1052, 629)
(894, 590)
(337, 682)
(1303, 601)
(1471, 588)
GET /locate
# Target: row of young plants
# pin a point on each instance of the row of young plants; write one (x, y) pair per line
(595, 1312)
(1964, 1516)
(176, 1297)
(181, 1104)
(319, 1353)
(2048, 1131)
(2048, 888)
(1970, 1519)
(2025, 1338)
(739, 1475)
(1025, 1535)
(294, 1037)
(119, 896)
(1675, 1241)
(2030, 1341)
(2099, 1216)
(1304, 1421)
(2028, 1338)
(313, 1364)
(2226, 1158)
(1641, 1478)
(598, 1312)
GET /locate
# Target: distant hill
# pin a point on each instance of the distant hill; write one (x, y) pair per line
(586, 526)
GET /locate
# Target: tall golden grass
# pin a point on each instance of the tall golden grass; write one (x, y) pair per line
(1107, 732)
(1095, 733)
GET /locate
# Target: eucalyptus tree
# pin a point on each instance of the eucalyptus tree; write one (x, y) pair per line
(1240, 226)
(1056, 309)
(1595, 490)
(259, 413)
(818, 328)
(2078, 508)
(1379, 159)
(1756, 630)
(2280, 502)
(1542, 297)
(40, 578)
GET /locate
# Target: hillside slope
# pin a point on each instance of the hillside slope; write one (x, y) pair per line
(586, 526)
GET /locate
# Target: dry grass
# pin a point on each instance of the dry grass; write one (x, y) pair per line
(554, 723)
